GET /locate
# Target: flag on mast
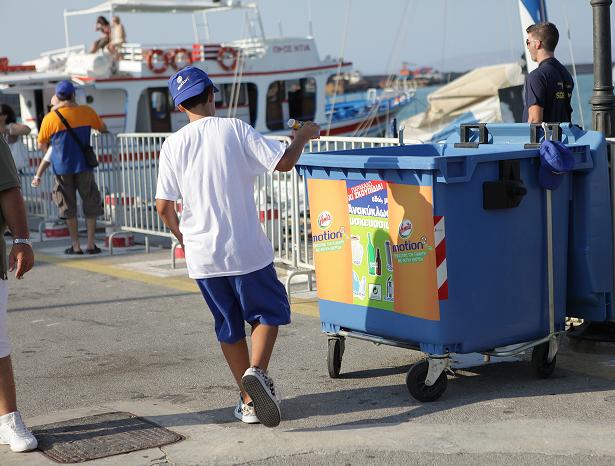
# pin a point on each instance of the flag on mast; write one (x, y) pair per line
(531, 12)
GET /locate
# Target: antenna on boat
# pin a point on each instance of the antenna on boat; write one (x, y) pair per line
(310, 31)
(66, 31)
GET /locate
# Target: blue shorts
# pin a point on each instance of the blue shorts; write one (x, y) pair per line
(254, 297)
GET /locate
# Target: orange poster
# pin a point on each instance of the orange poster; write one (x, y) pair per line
(330, 239)
(411, 226)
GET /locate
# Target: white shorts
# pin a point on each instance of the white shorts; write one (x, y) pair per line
(5, 345)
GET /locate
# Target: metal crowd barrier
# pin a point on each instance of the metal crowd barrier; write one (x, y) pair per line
(280, 198)
(127, 177)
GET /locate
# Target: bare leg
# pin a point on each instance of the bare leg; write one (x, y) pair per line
(8, 402)
(91, 226)
(74, 233)
(238, 359)
(263, 339)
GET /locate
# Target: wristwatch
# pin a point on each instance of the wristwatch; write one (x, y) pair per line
(22, 241)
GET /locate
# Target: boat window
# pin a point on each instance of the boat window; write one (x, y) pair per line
(159, 110)
(243, 98)
(293, 98)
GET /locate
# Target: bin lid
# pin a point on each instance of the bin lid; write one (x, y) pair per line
(455, 164)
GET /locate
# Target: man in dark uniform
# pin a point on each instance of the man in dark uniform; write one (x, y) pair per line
(548, 89)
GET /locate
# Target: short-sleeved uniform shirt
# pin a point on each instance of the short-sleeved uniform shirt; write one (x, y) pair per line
(550, 86)
(211, 164)
(67, 156)
(8, 180)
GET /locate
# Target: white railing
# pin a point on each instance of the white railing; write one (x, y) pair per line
(63, 52)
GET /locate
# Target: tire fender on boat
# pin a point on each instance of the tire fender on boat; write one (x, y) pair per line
(163, 61)
(224, 55)
(177, 55)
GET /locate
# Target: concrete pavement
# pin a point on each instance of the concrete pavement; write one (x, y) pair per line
(126, 333)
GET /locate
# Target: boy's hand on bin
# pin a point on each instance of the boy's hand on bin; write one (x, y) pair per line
(309, 130)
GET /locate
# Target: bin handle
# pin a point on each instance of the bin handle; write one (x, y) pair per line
(554, 128)
(464, 135)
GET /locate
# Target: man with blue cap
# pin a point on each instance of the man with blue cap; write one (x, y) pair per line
(211, 164)
(70, 165)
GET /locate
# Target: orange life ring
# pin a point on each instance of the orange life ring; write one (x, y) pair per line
(160, 68)
(173, 58)
(224, 54)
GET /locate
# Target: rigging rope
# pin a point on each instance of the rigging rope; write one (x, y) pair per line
(339, 65)
(574, 66)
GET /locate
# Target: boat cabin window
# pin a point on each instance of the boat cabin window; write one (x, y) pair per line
(160, 110)
(244, 98)
(294, 98)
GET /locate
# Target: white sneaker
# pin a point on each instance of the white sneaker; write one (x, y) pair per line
(14, 432)
(260, 387)
(245, 412)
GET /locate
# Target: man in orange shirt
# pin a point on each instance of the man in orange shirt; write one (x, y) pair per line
(69, 163)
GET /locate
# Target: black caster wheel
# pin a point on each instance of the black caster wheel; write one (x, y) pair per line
(542, 367)
(334, 356)
(415, 381)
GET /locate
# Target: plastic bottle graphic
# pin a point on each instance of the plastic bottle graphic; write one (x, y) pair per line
(371, 255)
(378, 262)
(389, 296)
(387, 250)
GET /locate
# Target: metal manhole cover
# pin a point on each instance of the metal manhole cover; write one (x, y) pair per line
(92, 437)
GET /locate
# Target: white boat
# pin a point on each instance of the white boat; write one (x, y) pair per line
(263, 81)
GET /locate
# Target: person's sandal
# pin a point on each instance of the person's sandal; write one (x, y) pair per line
(96, 250)
(71, 251)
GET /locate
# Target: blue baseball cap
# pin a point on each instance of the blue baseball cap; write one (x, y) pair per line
(555, 160)
(65, 89)
(188, 82)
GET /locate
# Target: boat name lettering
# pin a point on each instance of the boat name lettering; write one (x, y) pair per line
(291, 48)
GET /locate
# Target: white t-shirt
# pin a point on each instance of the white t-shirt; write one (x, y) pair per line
(211, 164)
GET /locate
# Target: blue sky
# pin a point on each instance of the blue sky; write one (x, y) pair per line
(447, 34)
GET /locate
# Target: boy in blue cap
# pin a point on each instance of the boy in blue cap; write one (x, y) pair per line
(211, 164)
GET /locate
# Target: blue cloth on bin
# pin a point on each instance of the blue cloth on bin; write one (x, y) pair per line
(236, 299)
(555, 160)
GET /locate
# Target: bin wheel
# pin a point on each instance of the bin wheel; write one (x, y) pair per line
(540, 363)
(415, 381)
(334, 357)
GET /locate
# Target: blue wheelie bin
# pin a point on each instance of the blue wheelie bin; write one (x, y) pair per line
(455, 247)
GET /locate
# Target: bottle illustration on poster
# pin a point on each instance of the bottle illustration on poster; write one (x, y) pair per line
(371, 255)
(387, 250)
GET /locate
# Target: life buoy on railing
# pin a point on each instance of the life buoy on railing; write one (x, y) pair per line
(157, 61)
(180, 58)
(227, 57)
